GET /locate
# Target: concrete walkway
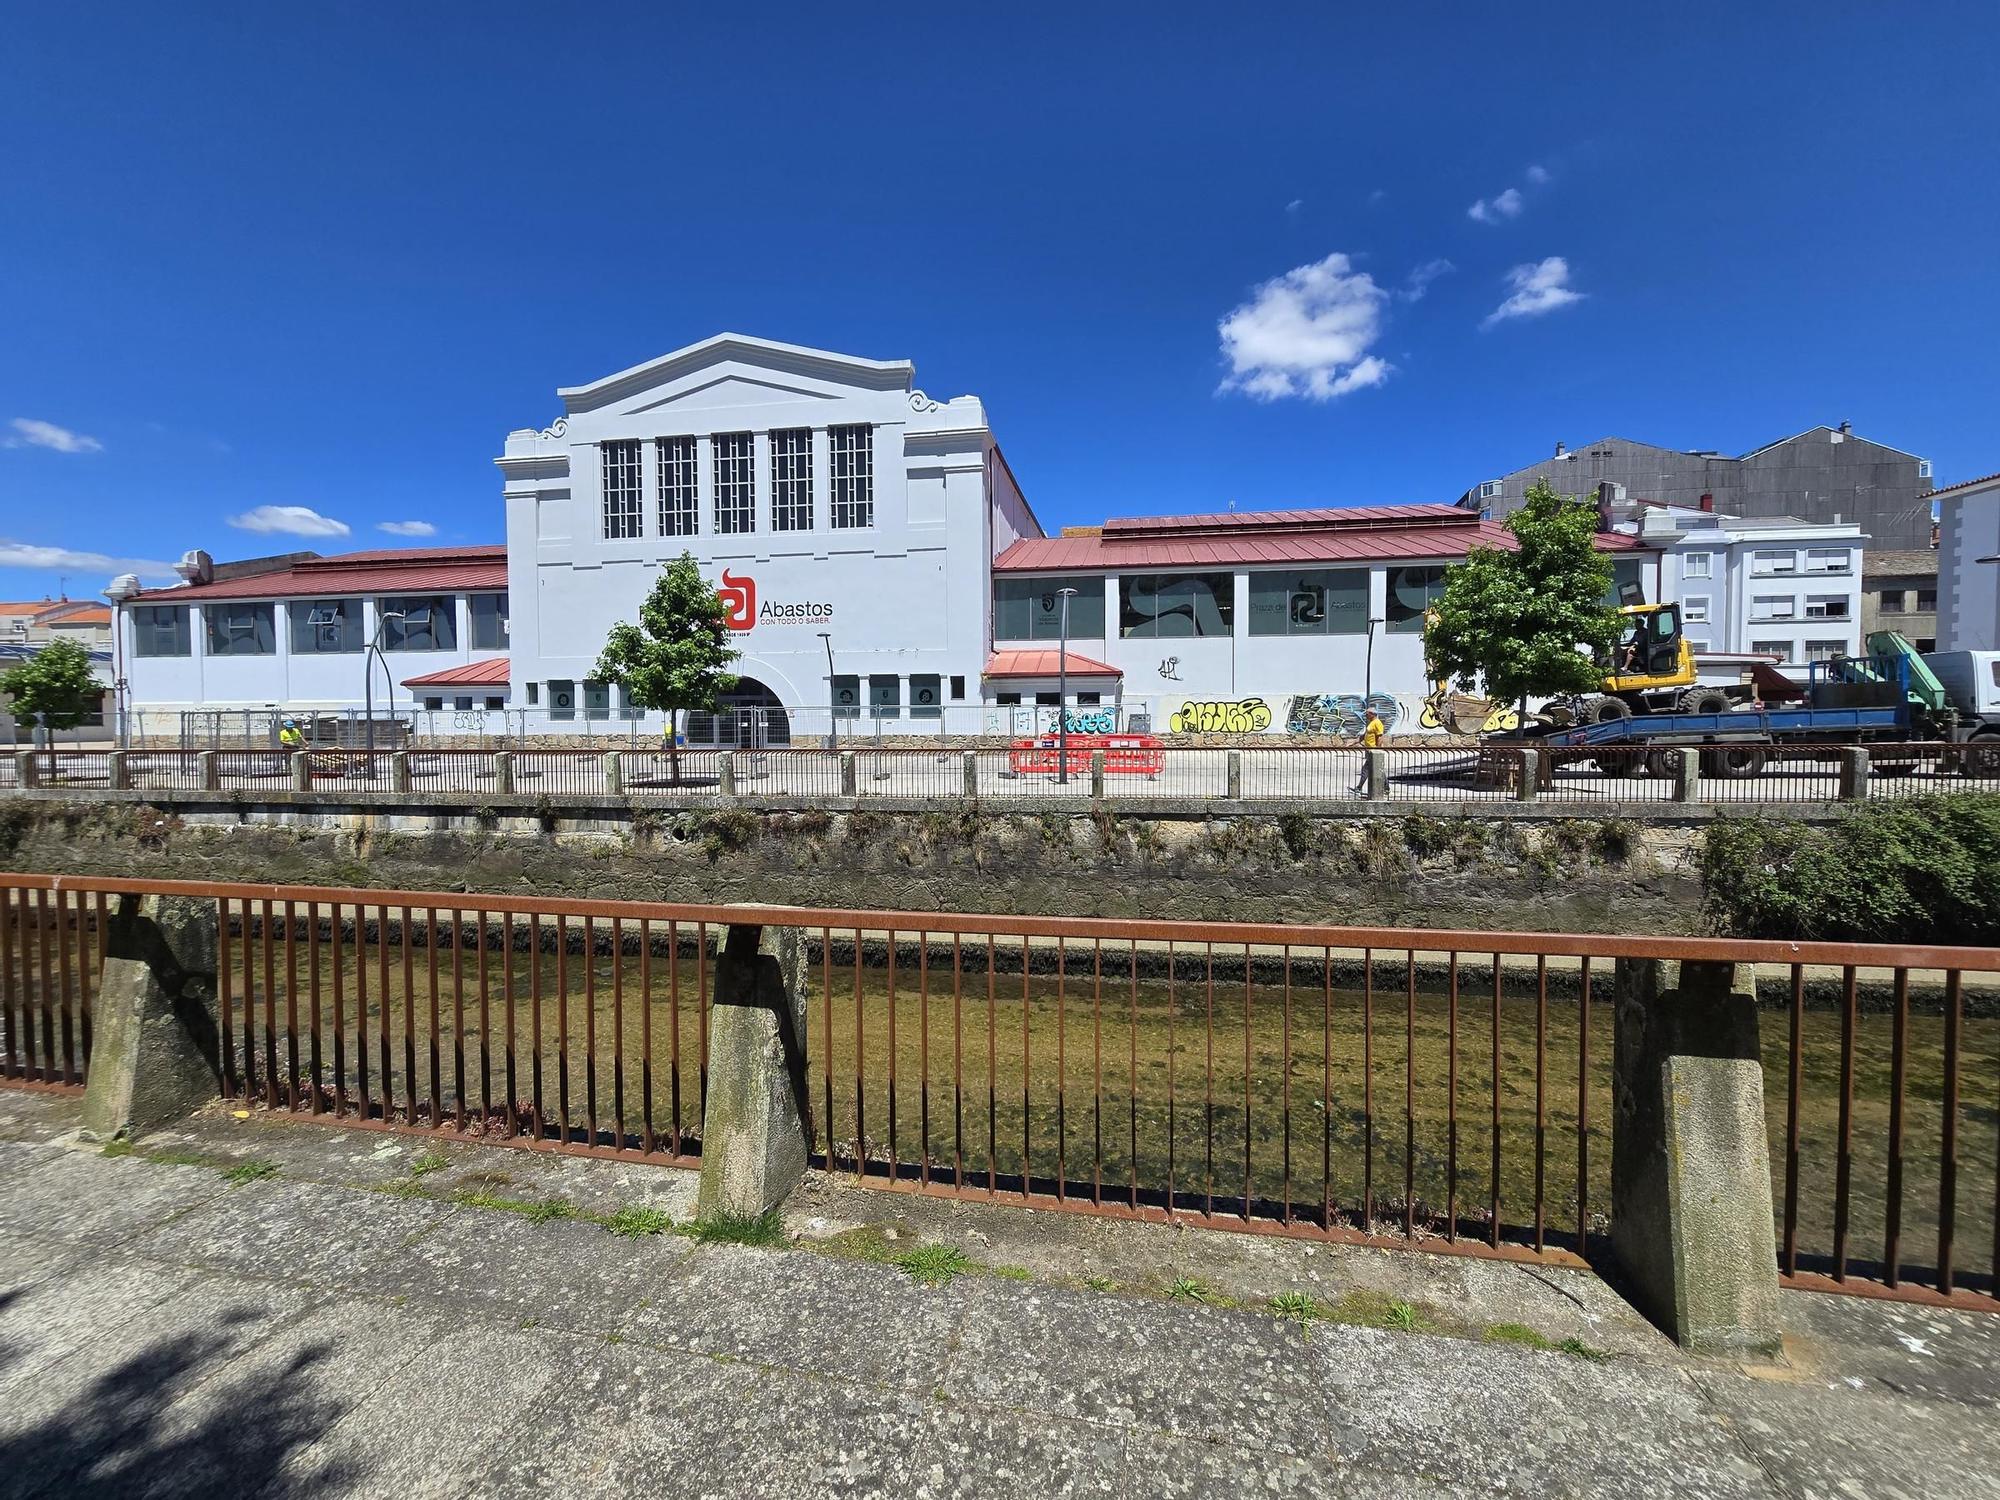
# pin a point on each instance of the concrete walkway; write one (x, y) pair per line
(181, 1329)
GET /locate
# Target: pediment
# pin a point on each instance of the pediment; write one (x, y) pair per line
(735, 370)
(729, 390)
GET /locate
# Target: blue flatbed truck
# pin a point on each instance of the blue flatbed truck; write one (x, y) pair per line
(1891, 698)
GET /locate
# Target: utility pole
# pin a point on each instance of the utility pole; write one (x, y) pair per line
(1062, 689)
(832, 709)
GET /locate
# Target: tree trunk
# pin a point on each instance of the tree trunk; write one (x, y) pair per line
(674, 745)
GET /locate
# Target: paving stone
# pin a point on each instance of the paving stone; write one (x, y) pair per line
(1496, 1418)
(975, 1452)
(108, 1416)
(438, 1420)
(307, 1231)
(1129, 1362)
(1818, 1439)
(862, 1322)
(562, 1274)
(83, 1197)
(650, 1422)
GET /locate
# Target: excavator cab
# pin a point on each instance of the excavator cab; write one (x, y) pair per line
(1651, 653)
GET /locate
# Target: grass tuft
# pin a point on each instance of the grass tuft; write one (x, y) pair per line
(1518, 1333)
(737, 1229)
(934, 1265)
(1371, 1309)
(1190, 1289)
(1299, 1307)
(249, 1171)
(636, 1220)
(119, 1147)
(1100, 1283)
(430, 1161)
(535, 1211)
(1013, 1273)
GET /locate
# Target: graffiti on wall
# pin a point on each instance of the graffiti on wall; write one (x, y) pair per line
(1091, 720)
(1339, 713)
(1221, 716)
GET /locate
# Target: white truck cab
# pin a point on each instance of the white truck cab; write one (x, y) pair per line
(1971, 679)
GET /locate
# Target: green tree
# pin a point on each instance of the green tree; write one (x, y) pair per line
(674, 659)
(1514, 620)
(54, 688)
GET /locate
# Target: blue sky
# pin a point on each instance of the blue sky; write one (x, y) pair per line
(326, 257)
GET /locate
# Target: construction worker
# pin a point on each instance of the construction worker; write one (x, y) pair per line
(1371, 739)
(290, 737)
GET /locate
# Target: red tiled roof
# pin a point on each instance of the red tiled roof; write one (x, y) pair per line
(491, 672)
(1352, 517)
(1275, 545)
(400, 570)
(1963, 484)
(1041, 662)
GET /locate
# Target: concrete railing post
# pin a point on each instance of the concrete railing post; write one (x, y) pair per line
(1097, 775)
(399, 771)
(1691, 1213)
(972, 773)
(847, 781)
(154, 1051)
(1529, 786)
(210, 762)
(27, 772)
(756, 1125)
(301, 769)
(726, 773)
(1853, 773)
(1687, 774)
(614, 773)
(1233, 769)
(1375, 768)
(503, 772)
(119, 770)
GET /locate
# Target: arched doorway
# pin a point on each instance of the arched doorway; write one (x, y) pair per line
(750, 717)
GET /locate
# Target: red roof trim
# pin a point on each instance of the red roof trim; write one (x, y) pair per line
(1044, 663)
(1279, 549)
(1963, 484)
(481, 569)
(492, 672)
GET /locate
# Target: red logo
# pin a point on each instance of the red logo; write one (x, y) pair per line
(740, 594)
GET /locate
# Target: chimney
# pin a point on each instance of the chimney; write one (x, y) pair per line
(1847, 429)
(1708, 503)
(1560, 450)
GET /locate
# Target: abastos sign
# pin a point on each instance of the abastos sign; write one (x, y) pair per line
(746, 612)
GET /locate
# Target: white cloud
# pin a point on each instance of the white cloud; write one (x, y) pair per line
(1502, 205)
(1419, 280)
(288, 520)
(1306, 333)
(1538, 175)
(26, 432)
(67, 560)
(1538, 287)
(1295, 205)
(406, 528)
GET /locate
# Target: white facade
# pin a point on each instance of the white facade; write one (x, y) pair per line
(1758, 587)
(295, 638)
(821, 492)
(1968, 589)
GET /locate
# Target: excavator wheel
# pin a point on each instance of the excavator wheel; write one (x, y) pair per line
(1602, 710)
(1702, 700)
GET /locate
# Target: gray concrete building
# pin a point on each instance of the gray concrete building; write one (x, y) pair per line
(1899, 592)
(1824, 474)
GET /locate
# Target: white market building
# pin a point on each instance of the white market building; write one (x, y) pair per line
(833, 504)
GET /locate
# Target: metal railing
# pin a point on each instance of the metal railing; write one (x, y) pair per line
(1800, 774)
(1450, 1090)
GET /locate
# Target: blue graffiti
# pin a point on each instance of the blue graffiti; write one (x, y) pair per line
(1091, 720)
(1341, 713)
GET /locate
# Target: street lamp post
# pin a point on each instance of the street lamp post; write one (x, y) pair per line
(1062, 688)
(1368, 667)
(832, 709)
(369, 657)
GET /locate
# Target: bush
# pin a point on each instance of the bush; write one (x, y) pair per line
(1916, 870)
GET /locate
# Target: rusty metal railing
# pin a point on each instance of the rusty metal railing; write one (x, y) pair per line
(1449, 1090)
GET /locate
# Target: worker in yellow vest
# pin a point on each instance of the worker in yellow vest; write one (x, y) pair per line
(291, 738)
